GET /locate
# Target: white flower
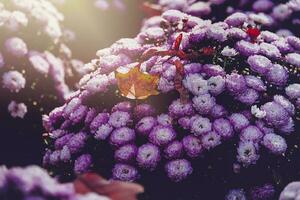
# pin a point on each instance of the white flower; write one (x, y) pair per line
(229, 52)
(258, 113)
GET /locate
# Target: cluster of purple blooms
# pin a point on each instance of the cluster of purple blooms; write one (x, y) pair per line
(17, 57)
(33, 183)
(264, 192)
(246, 89)
(280, 15)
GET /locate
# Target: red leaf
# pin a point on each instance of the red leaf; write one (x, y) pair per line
(208, 51)
(184, 94)
(253, 33)
(115, 190)
(178, 41)
(148, 54)
(179, 67)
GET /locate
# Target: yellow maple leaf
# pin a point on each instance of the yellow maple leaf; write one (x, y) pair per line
(136, 84)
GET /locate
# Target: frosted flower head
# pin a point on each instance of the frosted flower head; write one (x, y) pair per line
(103, 132)
(192, 146)
(285, 103)
(126, 153)
(17, 109)
(235, 83)
(291, 191)
(238, 121)
(281, 12)
(218, 111)
(200, 125)
(199, 9)
(122, 136)
(195, 84)
(247, 153)
(293, 58)
(16, 47)
(259, 64)
(77, 142)
(39, 63)
(252, 134)
(247, 48)
(164, 119)
(148, 156)
(275, 113)
(275, 143)
(145, 125)
(13, 80)
(184, 122)
(216, 85)
(179, 109)
(82, 163)
(173, 150)
(278, 75)
(262, 5)
(211, 140)
(236, 19)
(293, 91)
(161, 135)
(177, 170)
(255, 83)
(204, 103)
(124, 172)
(119, 118)
(223, 128)
(248, 97)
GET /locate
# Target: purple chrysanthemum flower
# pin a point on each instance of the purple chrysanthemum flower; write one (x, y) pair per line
(192, 146)
(145, 125)
(235, 83)
(122, 136)
(177, 170)
(211, 140)
(200, 125)
(251, 133)
(247, 153)
(126, 153)
(119, 118)
(274, 143)
(162, 135)
(203, 103)
(223, 128)
(238, 121)
(173, 150)
(124, 172)
(148, 156)
(82, 163)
